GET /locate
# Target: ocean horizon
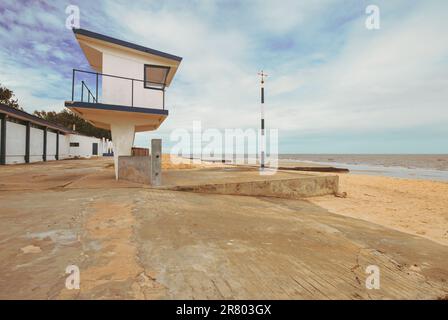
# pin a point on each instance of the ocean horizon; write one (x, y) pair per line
(410, 166)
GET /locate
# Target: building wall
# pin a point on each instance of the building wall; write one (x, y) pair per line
(64, 146)
(119, 91)
(36, 144)
(51, 145)
(16, 144)
(15, 148)
(85, 146)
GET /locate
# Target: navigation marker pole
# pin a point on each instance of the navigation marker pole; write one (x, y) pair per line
(262, 142)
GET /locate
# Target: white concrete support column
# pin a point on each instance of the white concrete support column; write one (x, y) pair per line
(103, 145)
(123, 138)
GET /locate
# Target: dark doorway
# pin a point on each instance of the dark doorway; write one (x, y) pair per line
(95, 149)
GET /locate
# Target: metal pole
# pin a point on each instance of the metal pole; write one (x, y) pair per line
(96, 94)
(262, 126)
(82, 90)
(262, 138)
(73, 85)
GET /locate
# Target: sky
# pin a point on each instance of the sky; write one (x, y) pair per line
(334, 86)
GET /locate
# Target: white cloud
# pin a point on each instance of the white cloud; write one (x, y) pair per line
(393, 78)
(377, 80)
(336, 76)
(215, 80)
(33, 86)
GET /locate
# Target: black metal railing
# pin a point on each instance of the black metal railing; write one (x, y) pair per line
(94, 97)
(89, 93)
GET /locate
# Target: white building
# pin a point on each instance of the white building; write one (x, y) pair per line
(126, 91)
(25, 138)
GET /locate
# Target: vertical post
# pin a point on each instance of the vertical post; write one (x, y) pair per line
(96, 93)
(44, 154)
(82, 90)
(156, 162)
(73, 85)
(132, 93)
(163, 98)
(57, 145)
(27, 142)
(3, 118)
(262, 138)
(262, 127)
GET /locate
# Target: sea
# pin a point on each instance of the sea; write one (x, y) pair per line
(412, 166)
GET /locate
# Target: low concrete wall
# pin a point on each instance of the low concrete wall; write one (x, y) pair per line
(142, 169)
(135, 169)
(295, 188)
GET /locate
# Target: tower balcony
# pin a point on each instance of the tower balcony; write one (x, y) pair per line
(103, 99)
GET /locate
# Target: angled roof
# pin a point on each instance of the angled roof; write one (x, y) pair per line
(25, 116)
(126, 44)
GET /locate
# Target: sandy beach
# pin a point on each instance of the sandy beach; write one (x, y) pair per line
(418, 207)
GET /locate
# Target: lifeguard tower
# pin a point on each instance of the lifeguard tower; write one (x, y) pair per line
(125, 92)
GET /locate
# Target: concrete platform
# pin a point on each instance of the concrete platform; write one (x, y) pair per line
(247, 181)
(134, 242)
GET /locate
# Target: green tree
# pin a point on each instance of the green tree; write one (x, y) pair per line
(67, 119)
(7, 97)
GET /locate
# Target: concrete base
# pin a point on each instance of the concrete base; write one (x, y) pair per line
(290, 189)
(142, 169)
(135, 169)
(248, 182)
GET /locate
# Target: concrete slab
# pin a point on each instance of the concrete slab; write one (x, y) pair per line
(202, 246)
(146, 243)
(53, 175)
(247, 181)
(98, 173)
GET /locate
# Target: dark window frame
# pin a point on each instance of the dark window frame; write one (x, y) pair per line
(164, 81)
(74, 144)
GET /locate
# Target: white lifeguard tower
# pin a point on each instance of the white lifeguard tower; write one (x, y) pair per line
(126, 91)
